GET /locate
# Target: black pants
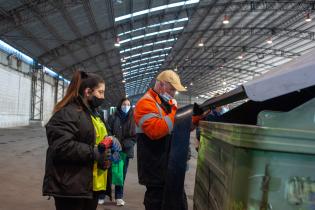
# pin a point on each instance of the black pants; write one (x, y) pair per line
(153, 199)
(75, 203)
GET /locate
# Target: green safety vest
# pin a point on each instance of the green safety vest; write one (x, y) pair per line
(99, 175)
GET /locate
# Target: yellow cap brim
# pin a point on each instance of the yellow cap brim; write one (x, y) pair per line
(179, 87)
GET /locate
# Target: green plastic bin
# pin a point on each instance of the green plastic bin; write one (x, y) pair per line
(269, 166)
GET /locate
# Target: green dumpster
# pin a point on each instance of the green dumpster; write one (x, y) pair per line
(268, 166)
(256, 159)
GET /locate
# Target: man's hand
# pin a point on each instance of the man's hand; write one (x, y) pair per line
(173, 102)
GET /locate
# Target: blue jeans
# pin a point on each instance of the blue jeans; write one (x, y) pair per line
(119, 190)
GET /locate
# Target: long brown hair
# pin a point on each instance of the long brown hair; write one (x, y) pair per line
(79, 82)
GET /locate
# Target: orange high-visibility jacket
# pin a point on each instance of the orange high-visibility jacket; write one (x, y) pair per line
(151, 119)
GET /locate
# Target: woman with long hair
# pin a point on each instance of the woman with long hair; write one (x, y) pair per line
(122, 126)
(78, 146)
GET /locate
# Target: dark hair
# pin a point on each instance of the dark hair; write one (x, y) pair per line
(122, 101)
(79, 82)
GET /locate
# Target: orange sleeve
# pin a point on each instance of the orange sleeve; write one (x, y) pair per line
(154, 127)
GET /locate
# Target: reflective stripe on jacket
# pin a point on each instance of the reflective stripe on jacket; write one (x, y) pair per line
(151, 119)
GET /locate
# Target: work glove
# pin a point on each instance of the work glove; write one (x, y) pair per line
(115, 158)
(116, 146)
(102, 156)
(112, 144)
(173, 102)
(106, 143)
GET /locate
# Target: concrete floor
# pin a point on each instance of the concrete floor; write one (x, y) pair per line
(22, 161)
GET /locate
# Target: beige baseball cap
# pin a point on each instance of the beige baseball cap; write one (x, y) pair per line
(171, 77)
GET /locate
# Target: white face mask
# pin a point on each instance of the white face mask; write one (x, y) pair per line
(125, 109)
(224, 110)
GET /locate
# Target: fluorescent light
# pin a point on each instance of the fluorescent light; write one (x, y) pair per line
(226, 20)
(140, 75)
(154, 9)
(308, 17)
(144, 59)
(143, 64)
(154, 25)
(151, 34)
(9, 49)
(146, 45)
(148, 52)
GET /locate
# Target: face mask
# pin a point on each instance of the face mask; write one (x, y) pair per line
(96, 102)
(125, 109)
(166, 96)
(224, 110)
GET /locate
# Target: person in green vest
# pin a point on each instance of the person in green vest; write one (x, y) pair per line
(79, 148)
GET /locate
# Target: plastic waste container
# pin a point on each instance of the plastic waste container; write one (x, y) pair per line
(270, 165)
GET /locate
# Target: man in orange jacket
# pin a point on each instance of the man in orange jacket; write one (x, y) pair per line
(154, 115)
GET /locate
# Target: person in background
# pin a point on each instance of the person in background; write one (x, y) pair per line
(154, 116)
(78, 146)
(213, 115)
(122, 126)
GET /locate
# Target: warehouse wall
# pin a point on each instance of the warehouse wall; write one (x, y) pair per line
(15, 93)
(49, 99)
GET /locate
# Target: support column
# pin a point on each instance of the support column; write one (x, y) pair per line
(37, 94)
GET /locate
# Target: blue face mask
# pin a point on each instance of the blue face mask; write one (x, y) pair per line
(125, 109)
(166, 96)
(224, 110)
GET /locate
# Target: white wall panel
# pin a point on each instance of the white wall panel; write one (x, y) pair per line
(49, 102)
(15, 95)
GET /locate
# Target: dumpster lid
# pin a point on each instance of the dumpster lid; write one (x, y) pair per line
(289, 77)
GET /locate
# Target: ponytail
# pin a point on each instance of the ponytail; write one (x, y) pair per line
(79, 82)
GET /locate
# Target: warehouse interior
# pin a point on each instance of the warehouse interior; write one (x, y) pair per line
(215, 46)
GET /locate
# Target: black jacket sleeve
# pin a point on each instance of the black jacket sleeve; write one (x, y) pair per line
(63, 133)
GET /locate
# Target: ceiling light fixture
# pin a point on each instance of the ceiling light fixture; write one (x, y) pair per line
(241, 56)
(200, 44)
(155, 9)
(269, 40)
(308, 17)
(226, 20)
(117, 42)
(191, 84)
(124, 81)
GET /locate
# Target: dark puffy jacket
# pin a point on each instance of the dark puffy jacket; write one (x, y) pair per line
(124, 130)
(69, 160)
